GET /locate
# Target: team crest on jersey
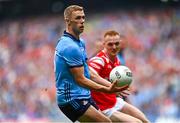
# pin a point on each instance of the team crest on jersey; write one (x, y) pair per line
(98, 60)
(109, 66)
(82, 49)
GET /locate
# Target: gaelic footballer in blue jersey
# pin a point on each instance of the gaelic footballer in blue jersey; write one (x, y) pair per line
(73, 77)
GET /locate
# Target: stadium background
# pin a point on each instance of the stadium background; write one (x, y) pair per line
(28, 34)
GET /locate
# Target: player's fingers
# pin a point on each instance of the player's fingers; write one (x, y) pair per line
(123, 87)
(123, 95)
(119, 95)
(114, 83)
(128, 89)
(127, 93)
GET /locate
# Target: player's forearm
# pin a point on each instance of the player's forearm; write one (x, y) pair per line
(101, 81)
(98, 79)
(87, 83)
(78, 74)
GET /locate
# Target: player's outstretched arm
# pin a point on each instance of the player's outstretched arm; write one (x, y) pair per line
(98, 79)
(78, 74)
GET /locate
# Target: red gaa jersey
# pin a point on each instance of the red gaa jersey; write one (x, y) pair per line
(103, 66)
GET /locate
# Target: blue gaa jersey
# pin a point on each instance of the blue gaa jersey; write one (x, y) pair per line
(70, 52)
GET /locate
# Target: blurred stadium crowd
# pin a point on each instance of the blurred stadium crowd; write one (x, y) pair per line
(27, 83)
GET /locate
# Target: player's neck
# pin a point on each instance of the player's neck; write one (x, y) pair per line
(112, 58)
(70, 31)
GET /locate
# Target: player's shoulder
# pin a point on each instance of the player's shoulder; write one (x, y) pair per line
(66, 40)
(98, 60)
(66, 44)
(103, 56)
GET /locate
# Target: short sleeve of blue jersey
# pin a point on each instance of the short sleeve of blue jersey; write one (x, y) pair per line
(73, 56)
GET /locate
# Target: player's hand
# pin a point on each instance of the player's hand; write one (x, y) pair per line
(114, 88)
(124, 93)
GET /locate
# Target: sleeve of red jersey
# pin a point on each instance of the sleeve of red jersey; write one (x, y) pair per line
(96, 63)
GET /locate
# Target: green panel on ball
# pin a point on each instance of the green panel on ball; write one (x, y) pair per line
(123, 83)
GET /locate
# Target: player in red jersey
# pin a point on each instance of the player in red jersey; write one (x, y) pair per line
(115, 108)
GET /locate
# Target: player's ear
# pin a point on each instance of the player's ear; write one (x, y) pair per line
(67, 20)
(103, 43)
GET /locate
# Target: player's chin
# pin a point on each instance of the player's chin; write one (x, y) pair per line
(81, 30)
(114, 53)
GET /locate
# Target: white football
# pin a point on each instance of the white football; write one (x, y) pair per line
(122, 74)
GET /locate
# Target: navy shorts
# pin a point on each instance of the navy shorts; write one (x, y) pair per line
(76, 108)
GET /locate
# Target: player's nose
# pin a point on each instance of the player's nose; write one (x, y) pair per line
(114, 46)
(82, 20)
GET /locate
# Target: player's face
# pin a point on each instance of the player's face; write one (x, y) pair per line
(112, 45)
(77, 21)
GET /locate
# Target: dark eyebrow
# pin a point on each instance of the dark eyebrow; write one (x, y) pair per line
(78, 17)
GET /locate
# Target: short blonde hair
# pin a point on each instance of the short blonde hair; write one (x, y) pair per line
(111, 33)
(68, 11)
